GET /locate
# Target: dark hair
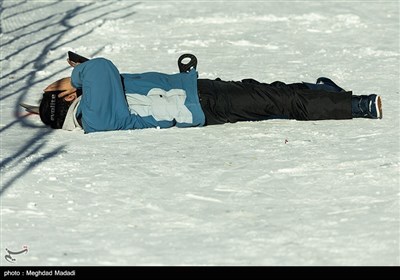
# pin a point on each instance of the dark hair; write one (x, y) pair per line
(53, 110)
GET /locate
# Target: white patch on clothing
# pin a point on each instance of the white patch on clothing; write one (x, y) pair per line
(162, 105)
(70, 122)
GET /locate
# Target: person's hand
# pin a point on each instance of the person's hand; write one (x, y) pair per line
(73, 64)
(63, 85)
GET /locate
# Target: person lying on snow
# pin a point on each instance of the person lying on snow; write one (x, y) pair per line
(98, 98)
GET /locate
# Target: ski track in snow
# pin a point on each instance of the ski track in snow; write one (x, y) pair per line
(256, 193)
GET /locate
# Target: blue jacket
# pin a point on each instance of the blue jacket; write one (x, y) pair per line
(111, 101)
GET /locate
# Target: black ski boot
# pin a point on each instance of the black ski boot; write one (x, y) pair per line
(329, 82)
(324, 84)
(366, 106)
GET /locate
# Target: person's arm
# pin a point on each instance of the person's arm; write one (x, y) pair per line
(63, 85)
(103, 105)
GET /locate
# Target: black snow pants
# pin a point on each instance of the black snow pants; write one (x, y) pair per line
(250, 100)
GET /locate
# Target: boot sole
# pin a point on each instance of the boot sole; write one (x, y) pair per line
(379, 107)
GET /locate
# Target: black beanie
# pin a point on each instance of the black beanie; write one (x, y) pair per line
(53, 110)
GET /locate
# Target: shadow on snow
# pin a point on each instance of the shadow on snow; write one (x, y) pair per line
(51, 41)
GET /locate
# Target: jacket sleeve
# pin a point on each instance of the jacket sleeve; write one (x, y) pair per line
(103, 106)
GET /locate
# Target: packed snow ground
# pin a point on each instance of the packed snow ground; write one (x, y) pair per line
(257, 193)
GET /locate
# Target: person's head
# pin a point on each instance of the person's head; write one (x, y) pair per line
(53, 109)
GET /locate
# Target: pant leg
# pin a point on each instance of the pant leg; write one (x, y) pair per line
(224, 102)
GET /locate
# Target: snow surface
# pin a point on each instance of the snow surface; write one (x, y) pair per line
(256, 193)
